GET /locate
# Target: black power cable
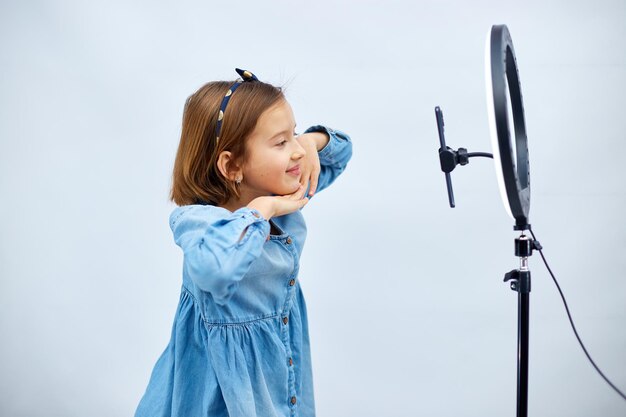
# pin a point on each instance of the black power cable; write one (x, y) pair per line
(572, 323)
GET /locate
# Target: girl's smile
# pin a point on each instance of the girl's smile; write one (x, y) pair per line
(294, 170)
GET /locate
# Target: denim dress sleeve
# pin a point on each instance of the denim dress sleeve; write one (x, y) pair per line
(333, 157)
(218, 246)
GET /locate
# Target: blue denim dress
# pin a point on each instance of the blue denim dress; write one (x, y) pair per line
(240, 342)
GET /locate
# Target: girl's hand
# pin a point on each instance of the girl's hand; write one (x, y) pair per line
(310, 164)
(270, 206)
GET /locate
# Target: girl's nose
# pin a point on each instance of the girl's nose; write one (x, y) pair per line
(299, 151)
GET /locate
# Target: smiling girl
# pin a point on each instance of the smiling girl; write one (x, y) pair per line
(240, 345)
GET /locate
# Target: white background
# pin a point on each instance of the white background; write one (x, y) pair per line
(408, 312)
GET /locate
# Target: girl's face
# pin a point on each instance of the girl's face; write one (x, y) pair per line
(274, 154)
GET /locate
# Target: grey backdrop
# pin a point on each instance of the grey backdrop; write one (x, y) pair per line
(408, 312)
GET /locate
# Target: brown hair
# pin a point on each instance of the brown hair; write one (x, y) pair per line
(196, 177)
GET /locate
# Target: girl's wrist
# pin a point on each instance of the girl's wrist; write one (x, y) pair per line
(263, 205)
(321, 140)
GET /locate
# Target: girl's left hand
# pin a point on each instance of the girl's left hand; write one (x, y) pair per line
(310, 164)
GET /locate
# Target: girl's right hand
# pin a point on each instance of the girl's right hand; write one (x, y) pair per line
(271, 206)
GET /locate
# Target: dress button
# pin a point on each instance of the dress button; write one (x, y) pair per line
(289, 241)
(293, 400)
(292, 282)
(290, 362)
(285, 320)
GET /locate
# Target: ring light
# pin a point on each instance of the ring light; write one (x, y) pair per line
(505, 110)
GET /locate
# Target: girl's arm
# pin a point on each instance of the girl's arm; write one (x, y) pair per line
(334, 156)
(218, 246)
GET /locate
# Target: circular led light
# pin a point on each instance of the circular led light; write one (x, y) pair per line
(506, 114)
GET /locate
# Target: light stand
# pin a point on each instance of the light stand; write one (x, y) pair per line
(504, 102)
(520, 282)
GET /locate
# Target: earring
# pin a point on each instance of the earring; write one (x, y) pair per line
(238, 181)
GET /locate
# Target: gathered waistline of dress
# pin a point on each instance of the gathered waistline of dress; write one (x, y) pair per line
(231, 321)
(235, 322)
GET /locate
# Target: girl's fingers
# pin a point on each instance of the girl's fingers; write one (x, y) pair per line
(312, 177)
(291, 203)
(313, 187)
(302, 191)
(304, 183)
(305, 177)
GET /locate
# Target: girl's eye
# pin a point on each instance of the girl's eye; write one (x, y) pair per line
(282, 143)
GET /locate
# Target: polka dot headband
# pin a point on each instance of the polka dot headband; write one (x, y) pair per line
(246, 76)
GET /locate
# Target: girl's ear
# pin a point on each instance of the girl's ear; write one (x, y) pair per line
(227, 166)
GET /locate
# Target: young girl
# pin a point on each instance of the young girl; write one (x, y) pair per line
(240, 344)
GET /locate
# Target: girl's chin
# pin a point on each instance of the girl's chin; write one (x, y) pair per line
(288, 189)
